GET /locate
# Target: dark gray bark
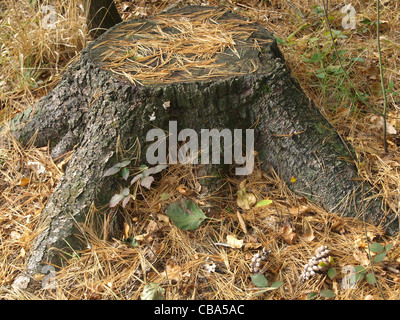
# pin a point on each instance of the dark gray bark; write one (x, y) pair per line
(101, 15)
(91, 108)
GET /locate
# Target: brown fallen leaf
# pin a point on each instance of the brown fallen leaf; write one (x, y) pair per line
(63, 164)
(38, 276)
(183, 190)
(151, 226)
(242, 184)
(233, 242)
(308, 232)
(163, 218)
(302, 209)
(241, 222)
(245, 200)
(288, 235)
(172, 271)
(303, 200)
(24, 181)
(336, 223)
(361, 257)
(251, 245)
(126, 230)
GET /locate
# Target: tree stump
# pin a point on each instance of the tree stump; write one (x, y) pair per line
(205, 68)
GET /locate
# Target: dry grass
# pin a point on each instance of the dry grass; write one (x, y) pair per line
(180, 261)
(33, 54)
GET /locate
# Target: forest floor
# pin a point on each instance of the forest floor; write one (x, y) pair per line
(338, 68)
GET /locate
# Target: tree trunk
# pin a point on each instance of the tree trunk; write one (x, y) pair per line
(103, 99)
(101, 15)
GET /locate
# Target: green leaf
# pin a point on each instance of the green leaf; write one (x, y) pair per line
(146, 182)
(280, 40)
(137, 177)
(158, 168)
(316, 57)
(263, 203)
(132, 242)
(358, 59)
(367, 21)
(113, 170)
(122, 164)
(165, 196)
(359, 272)
(115, 200)
(331, 273)
(312, 295)
(259, 280)
(125, 192)
(125, 201)
(276, 284)
(359, 269)
(186, 215)
(326, 293)
(152, 291)
(380, 256)
(376, 247)
(321, 74)
(342, 52)
(388, 247)
(125, 173)
(334, 69)
(370, 278)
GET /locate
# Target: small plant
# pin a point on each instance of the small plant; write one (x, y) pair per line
(380, 250)
(322, 295)
(120, 167)
(260, 281)
(144, 177)
(123, 196)
(360, 272)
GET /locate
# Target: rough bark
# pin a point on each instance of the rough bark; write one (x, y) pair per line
(91, 109)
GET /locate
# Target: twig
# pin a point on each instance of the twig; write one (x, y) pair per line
(382, 80)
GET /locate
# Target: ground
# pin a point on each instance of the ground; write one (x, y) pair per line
(338, 68)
